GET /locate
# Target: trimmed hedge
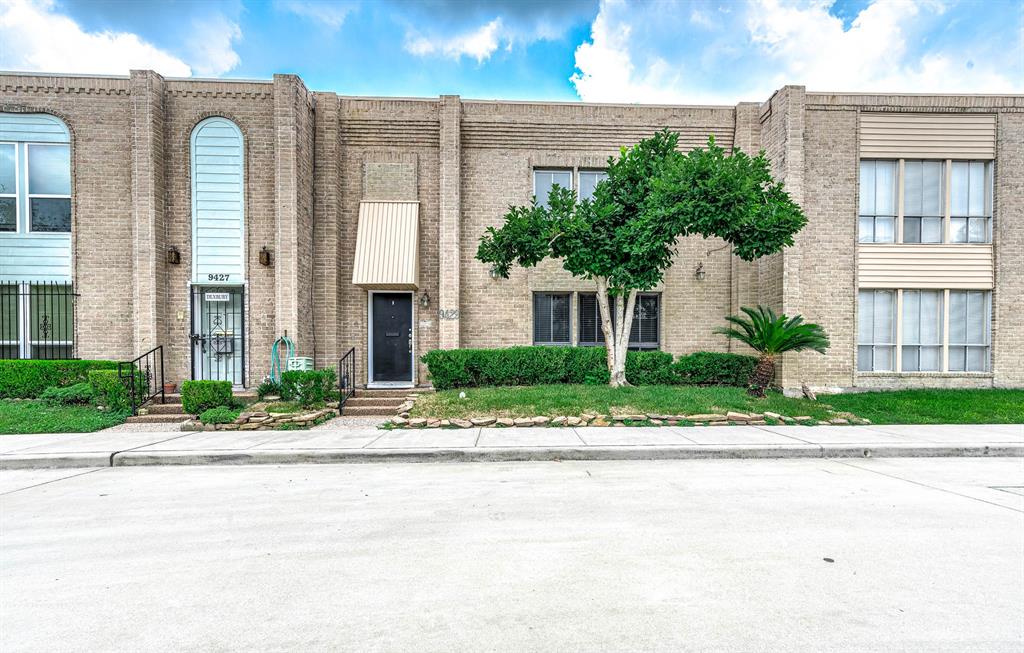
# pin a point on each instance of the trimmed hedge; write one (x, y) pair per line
(79, 393)
(198, 396)
(467, 368)
(108, 390)
(309, 387)
(714, 368)
(27, 379)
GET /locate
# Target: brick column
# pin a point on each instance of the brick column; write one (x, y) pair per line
(744, 291)
(327, 228)
(293, 175)
(149, 282)
(450, 219)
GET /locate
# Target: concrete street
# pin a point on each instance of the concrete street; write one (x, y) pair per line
(919, 554)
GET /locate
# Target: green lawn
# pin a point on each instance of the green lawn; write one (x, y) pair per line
(555, 400)
(934, 406)
(37, 417)
(903, 407)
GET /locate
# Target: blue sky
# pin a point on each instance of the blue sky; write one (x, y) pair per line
(595, 50)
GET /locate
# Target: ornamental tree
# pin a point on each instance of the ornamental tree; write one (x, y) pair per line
(624, 238)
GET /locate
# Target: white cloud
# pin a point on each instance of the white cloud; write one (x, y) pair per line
(479, 44)
(211, 45)
(35, 38)
(330, 14)
(638, 54)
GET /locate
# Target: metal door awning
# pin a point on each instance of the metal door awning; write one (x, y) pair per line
(387, 246)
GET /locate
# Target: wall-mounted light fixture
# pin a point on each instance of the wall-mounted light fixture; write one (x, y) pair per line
(699, 272)
(265, 256)
(494, 272)
(424, 299)
(173, 255)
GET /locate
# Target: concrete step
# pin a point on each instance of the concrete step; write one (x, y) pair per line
(363, 411)
(391, 392)
(165, 409)
(158, 419)
(359, 400)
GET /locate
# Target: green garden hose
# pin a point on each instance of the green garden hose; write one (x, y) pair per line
(275, 359)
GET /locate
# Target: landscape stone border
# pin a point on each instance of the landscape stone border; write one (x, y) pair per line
(403, 420)
(261, 420)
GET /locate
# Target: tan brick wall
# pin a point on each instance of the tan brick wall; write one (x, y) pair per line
(251, 107)
(98, 112)
(311, 157)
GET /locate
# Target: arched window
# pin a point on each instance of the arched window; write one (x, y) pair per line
(218, 202)
(35, 174)
(36, 297)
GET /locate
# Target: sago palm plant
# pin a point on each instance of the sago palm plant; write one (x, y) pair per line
(771, 336)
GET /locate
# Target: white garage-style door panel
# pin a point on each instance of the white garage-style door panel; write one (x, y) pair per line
(218, 202)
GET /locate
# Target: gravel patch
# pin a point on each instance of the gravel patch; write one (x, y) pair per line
(350, 422)
(142, 428)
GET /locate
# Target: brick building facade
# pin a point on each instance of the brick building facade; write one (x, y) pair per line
(427, 176)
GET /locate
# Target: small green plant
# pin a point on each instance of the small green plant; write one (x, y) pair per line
(219, 415)
(284, 407)
(77, 394)
(268, 388)
(771, 336)
(198, 396)
(310, 387)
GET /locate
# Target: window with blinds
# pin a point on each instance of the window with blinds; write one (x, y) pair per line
(551, 313)
(643, 333)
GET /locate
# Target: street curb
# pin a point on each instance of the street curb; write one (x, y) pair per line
(527, 454)
(54, 461)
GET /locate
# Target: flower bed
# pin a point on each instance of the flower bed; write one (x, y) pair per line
(257, 418)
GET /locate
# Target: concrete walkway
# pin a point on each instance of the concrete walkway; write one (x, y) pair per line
(364, 444)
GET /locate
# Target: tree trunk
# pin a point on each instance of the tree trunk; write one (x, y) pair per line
(616, 338)
(764, 374)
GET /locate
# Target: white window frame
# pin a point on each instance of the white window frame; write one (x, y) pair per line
(895, 339)
(901, 328)
(901, 203)
(988, 200)
(945, 369)
(29, 195)
(987, 345)
(947, 217)
(533, 319)
(24, 342)
(592, 171)
(552, 170)
(875, 216)
(17, 186)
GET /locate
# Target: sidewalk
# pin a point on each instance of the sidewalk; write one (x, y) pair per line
(363, 444)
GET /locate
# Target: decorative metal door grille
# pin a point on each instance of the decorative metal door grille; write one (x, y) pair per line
(37, 320)
(218, 333)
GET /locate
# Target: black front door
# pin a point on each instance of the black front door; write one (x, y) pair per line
(391, 335)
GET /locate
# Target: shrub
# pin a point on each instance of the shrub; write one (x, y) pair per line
(465, 368)
(198, 396)
(219, 415)
(714, 368)
(27, 379)
(79, 393)
(649, 368)
(308, 387)
(267, 388)
(108, 389)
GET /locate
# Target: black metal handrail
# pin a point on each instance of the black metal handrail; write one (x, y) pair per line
(346, 378)
(143, 377)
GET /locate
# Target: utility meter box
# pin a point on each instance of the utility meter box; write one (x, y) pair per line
(300, 364)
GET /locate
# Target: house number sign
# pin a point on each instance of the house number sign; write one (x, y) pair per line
(447, 313)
